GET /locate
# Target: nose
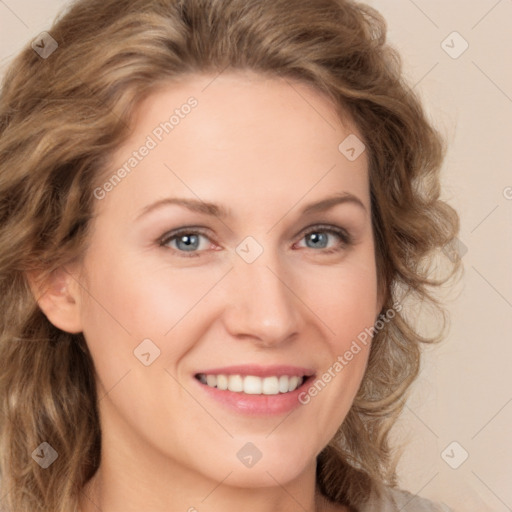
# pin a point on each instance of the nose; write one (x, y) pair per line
(264, 307)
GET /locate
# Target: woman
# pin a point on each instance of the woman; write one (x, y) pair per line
(212, 215)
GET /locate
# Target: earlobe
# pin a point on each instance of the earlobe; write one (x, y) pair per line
(58, 298)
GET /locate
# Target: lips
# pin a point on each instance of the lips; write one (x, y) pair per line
(252, 389)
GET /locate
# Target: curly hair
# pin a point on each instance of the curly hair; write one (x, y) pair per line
(61, 117)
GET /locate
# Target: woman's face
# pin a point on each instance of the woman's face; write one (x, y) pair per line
(256, 298)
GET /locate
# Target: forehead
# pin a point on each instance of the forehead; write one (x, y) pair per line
(235, 137)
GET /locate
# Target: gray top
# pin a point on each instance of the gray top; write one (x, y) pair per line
(399, 500)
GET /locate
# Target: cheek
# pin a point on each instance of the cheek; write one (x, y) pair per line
(347, 310)
(345, 300)
(130, 301)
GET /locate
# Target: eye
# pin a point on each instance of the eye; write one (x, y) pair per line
(187, 240)
(324, 231)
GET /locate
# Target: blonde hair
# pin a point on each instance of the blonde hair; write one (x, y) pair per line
(62, 116)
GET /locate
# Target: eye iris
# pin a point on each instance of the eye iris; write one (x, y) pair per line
(187, 240)
(316, 237)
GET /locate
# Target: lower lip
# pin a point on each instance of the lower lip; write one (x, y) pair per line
(257, 404)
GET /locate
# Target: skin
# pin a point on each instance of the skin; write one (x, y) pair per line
(264, 149)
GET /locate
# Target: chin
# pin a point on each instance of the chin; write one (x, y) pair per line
(275, 466)
(264, 476)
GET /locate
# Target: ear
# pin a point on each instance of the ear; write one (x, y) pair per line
(58, 298)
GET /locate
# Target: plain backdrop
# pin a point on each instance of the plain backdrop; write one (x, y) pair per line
(458, 419)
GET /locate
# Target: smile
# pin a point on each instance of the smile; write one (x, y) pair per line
(252, 384)
(252, 389)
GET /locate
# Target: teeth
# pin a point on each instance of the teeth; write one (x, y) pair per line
(283, 383)
(252, 385)
(222, 382)
(271, 386)
(235, 383)
(292, 383)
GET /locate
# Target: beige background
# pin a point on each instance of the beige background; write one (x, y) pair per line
(464, 392)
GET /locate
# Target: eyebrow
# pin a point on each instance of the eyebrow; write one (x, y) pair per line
(220, 211)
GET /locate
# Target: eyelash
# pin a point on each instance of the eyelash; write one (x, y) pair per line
(345, 237)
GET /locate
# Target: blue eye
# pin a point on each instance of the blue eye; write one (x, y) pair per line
(323, 231)
(187, 240)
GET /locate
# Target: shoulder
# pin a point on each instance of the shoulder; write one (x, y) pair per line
(394, 499)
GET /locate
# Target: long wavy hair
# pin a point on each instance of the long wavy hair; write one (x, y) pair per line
(62, 116)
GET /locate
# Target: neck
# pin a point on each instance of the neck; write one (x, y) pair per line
(110, 492)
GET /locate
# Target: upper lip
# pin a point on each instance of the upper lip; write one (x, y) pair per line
(260, 371)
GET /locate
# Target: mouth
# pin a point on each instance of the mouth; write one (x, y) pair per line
(258, 391)
(253, 384)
